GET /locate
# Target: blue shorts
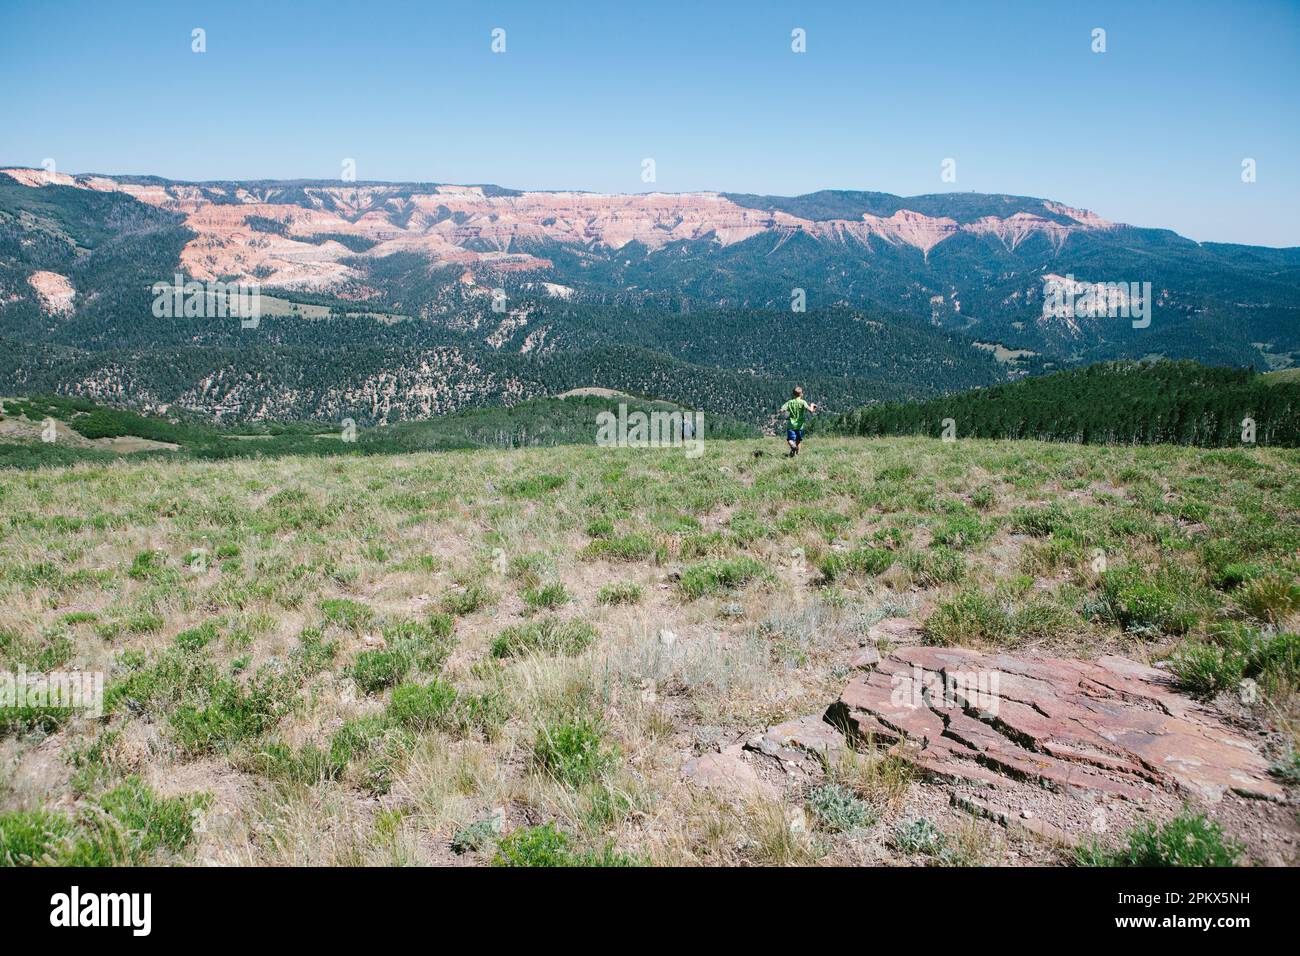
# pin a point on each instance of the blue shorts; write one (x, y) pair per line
(794, 434)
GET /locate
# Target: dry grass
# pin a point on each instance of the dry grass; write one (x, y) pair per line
(666, 678)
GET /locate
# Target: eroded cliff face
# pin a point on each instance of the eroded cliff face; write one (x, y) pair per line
(293, 236)
(55, 292)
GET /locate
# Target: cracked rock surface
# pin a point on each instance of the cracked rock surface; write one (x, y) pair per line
(1112, 728)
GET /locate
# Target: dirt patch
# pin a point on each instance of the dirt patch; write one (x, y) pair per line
(126, 444)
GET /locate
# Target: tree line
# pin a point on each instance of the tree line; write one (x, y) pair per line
(1182, 403)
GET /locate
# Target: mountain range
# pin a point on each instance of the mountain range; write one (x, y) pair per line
(388, 301)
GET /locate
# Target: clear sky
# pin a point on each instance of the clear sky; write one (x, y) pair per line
(1152, 132)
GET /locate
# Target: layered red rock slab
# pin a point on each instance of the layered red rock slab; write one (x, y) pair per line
(1112, 727)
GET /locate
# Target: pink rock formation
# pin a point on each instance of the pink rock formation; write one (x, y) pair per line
(1111, 727)
(55, 291)
(462, 225)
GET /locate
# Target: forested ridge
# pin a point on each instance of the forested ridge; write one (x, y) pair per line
(1181, 403)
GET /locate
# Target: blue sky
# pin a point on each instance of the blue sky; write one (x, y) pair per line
(1152, 132)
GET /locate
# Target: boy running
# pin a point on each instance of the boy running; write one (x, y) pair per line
(794, 411)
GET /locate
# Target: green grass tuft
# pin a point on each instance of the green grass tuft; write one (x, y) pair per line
(546, 597)
(547, 846)
(1187, 840)
(549, 635)
(573, 752)
(422, 707)
(719, 575)
(619, 592)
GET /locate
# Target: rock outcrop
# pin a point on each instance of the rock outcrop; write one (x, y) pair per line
(1112, 728)
(54, 290)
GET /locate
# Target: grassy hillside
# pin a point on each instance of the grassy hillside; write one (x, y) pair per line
(509, 656)
(538, 422)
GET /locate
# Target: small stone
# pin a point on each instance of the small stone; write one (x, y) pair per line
(796, 740)
(865, 657)
(727, 773)
(896, 630)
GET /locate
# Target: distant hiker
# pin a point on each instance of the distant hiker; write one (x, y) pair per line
(794, 411)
